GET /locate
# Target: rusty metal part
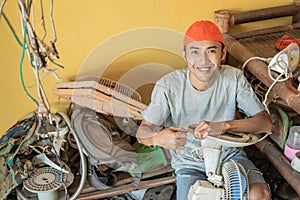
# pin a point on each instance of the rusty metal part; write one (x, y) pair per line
(280, 163)
(280, 126)
(277, 130)
(259, 69)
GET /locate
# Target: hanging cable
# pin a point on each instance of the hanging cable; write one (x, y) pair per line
(21, 68)
(254, 58)
(1, 6)
(267, 93)
(44, 107)
(52, 23)
(12, 29)
(43, 21)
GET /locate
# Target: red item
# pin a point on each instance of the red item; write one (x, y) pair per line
(285, 40)
(203, 30)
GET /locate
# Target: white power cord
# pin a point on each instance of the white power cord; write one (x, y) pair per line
(267, 60)
(275, 80)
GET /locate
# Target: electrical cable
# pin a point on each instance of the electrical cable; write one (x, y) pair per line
(21, 68)
(43, 21)
(278, 79)
(44, 107)
(12, 29)
(32, 16)
(61, 167)
(82, 158)
(2, 5)
(254, 58)
(52, 23)
(268, 91)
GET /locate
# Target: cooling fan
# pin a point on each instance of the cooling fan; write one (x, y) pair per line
(103, 95)
(227, 180)
(235, 184)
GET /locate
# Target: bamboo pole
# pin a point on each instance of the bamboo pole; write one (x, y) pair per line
(263, 14)
(281, 164)
(259, 69)
(276, 29)
(226, 18)
(222, 18)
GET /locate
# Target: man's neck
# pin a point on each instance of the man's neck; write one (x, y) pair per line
(202, 85)
(198, 84)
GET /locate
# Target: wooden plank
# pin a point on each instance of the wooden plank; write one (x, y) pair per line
(127, 188)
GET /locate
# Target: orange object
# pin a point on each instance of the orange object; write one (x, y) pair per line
(285, 40)
(203, 30)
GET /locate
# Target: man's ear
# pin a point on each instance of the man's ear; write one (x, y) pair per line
(223, 56)
(184, 55)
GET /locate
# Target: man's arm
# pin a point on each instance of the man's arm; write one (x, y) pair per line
(259, 123)
(169, 138)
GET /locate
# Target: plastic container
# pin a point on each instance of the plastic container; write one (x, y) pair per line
(294, 137)
(296, 162)
(292, 145)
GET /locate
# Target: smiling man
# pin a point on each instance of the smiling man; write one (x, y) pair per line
(207, 94)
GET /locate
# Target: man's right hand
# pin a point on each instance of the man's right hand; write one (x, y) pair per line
(171, 138)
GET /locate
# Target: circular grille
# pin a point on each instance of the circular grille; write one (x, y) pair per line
(45, 179)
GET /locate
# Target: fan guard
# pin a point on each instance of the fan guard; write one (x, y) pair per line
(113, 86)
(236, 184)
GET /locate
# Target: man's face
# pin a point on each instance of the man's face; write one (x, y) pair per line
(204, 58)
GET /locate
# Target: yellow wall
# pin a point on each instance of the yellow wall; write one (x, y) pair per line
(118, 39)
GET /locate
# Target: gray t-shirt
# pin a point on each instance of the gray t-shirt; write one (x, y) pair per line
(175, 102)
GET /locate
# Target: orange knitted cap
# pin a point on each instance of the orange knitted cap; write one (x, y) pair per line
(203, 30)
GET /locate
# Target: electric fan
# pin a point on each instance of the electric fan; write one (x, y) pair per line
(227, 180)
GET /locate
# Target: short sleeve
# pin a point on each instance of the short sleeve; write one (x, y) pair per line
(246, 97)
(158, 110)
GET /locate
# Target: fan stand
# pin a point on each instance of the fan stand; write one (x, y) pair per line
(211, 156)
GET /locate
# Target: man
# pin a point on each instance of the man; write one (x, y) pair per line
(208, 94)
